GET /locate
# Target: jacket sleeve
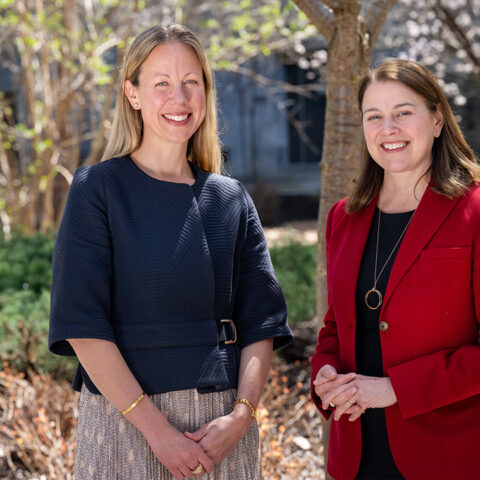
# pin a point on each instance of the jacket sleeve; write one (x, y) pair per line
(81, 266)
(260, 311)
(327, 350)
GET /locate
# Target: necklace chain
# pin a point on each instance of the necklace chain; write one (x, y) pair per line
(375, 276)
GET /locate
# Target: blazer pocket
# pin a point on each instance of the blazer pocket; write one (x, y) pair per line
(450, 252)
(450, 279)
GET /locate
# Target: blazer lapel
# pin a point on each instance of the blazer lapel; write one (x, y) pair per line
(432, 210)
(355, 239)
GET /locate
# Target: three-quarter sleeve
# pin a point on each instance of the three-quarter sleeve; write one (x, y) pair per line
(260, 311)
(82, 266)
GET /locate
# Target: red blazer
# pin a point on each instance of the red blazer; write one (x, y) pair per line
(431, 349)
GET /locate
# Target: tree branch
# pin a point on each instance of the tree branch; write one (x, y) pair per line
(375, 17)
(66, 174)
(320, 15)
(300, 128)
(6, 33)
(240, 57)
(277, 85)
(445, 14)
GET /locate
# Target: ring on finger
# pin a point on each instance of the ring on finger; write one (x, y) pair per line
(332, 404)
(198, 469)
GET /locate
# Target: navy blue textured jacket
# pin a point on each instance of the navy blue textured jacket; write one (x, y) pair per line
(154, 266)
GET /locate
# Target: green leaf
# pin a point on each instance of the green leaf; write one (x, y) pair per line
(267, 29)
(30, 42)
(8, 18)
(6, 3)
(55, 45)
(224, 65)
(104, 80)
(40, 147)
(41, 16)
(24, 131)
(43, 183)
(211, 23)
(265, 50)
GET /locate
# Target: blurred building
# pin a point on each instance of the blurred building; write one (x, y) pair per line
(275, 158)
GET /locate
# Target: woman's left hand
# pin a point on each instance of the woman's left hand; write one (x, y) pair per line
(220, 436)
(372, 392)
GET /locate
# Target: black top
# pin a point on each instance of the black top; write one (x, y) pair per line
(154, 266)
(377, 461)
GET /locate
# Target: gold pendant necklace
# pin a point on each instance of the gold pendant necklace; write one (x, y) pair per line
(374, 290)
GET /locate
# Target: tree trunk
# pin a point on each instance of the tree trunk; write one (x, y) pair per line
(347, 60)
(350, 38)
(342, 143)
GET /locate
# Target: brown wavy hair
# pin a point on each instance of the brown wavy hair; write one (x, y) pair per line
(127, 126)
(454, 167)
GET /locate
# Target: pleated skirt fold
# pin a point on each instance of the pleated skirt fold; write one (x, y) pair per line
(110, 448)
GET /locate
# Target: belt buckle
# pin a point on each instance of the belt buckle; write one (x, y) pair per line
(228, 320)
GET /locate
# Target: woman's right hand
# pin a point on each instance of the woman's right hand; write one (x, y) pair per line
(333, 387)
(114, 379)
(177, 453)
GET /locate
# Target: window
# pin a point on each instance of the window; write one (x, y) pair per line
(306, 129)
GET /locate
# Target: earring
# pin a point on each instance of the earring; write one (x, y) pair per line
(135, 105)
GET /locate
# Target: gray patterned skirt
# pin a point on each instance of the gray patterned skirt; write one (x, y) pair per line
(111, 448)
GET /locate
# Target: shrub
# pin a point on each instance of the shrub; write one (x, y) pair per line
(25, 279)
(295, 267)
(24, 320)
(25, 262)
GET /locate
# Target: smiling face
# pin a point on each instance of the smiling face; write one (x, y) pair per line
(170, 94)
(399, 128)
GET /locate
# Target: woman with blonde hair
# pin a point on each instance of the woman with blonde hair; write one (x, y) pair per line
(163, 285)
(397, 364)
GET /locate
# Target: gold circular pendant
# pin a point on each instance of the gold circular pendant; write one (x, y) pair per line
(379, 298)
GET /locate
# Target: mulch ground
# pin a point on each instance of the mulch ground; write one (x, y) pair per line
(290, 425)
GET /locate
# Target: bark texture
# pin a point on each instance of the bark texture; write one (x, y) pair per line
(351, 36)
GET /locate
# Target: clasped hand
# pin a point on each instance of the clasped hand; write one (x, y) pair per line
(219, 437)
(182, 453)
(352, 393)
(179, 454)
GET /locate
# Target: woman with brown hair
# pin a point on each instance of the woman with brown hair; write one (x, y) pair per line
(397, 364)
(163, 285)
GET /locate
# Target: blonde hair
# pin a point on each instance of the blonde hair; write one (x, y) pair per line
(454, 166)
(127, 127)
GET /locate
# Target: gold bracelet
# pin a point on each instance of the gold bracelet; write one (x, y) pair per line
(248, 404)
(134, 404)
